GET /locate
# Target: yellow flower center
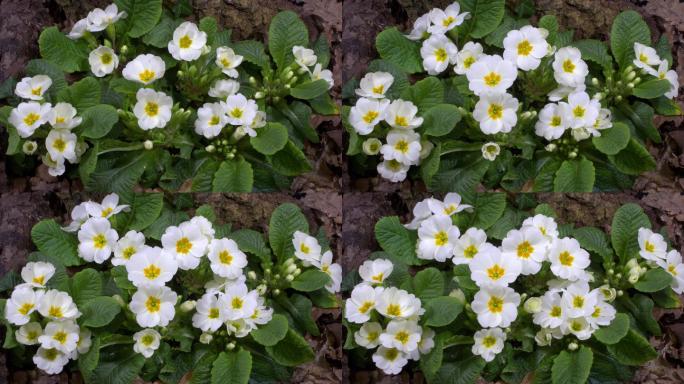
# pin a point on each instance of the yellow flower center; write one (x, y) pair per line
(468, 61)
(597, 312)
(524, 48)
(183, 245)
(489, 341)
(441, 55)
(32, 335)
(237, 303)
(470, 252)
(55, 312)
(643, 58)
(394, 310)
(372, 336)
(378, 277)
(568, 66)
(448, 210)
(380, 89)
(402, 146)
(447, 21)
(400, 121)
(441, 238)
(153, 304)
(146, 76)
(59, 145)
(26, 308)
(147, 340)
(304, 248)
(152, 272)
(566, 258)
(185, 42)
(151, 109)
(661, 75)
(213, 313)
(649, 247)
(106, 58)
(495, 111)
(578, 111)
(31, 118)
(215, 120)
(495, 304)
(556, 311)
(60, 336)
(39, 279)
(60, 120)
(525, 249)
(37, 91)
(391, 354)
(225, 257)
(492, 79)
(51, 354)
(576, 326)
(555, 122)
(578, 302)
(225, 62)
(495, 272)
(236, 113)
(363, 308)
(672, 269)
(402, 337)
(99, 241)
(107, 211)
(370, 116)
(128, 252)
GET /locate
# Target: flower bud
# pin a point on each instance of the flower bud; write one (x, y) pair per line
(124, 50)
(230, 156)
(210, 148)
(252, 80)
(276, 292)
(267, 271)
(371, 147)
(426, 147)
(230, 346)
(618, 276)
(607, 292)
(543, 338)
(180, 74)
(289, 75)
(633, 278)
(188, 305)
(572, 155)
(148, 144)
(630, 85)
(261, 288)
(631, 76)
(29, 147)
(206, 338)
(594, 81)
(599, 96)
(291, 268)
(297, 272)
(618, 98)
(637, 80)
(259, 95)
(289, 278)
(119, 300)
(289, 261)
(551, 147)
(532, 305)
(251, 275)
(620, 293)
(573, 346)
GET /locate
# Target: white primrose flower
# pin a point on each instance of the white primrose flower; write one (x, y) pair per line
(79, 215)
(239, 328)
(526, 47)
(78, 29)
(61, 335)
(489, 267)
(652, 246)
(127, 246)
(304, 57)
(603, 121)
(376, 271)
(51, 361)
(368, 336)
(568, 67)
(205, 227)
(144, 69)
(445, 20)
(63, 116)
(28, 334)
(553, 121)
(240, 110)
(108, 208)
(390, 360)
(582, 110)
(188, 42)
(28, 116)
(449, 206)
(61, 145)
(437, 53)
(488, 343)
(98, 19)
(528, 245)
(103, 61)
(21, 304)
(467, 56)
(490, 150)
(333, 270)
(393, 170)
(420, 28)
(374, 85)
(258, 122)
(396, 303)
(227, 260)
(602, 315)
(211, 118)
(37, 274)
(469, 245)
(218, 284)
(496, 306)
(402, 146)
(307, 249)
(673, 265)
(153, 109)
(496, 112)
(223, 88)
(238, 302)
(186, 244)
(96, 240)
(427, 341)
(645, 57)
(665, 73)
(568, 260)
(33, 88)
(421, 212)
(437, 237)
(228, 61)
(55, 168)
(323, 74)
(146, 342)
(84, 341)
(208, 316)
(401, 114)
(403, 335)
(552, 314)
(491, 74)
(577, 326)
(578, 300)
(153, 306)
(262, 314)
(366, 114)
(360, 304)
(57, 305)
(151, 267)
(546, 225)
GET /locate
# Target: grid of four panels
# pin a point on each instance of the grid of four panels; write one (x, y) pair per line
(323, 191)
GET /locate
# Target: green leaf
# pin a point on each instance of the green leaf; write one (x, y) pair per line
(98, 121)
(614, 332)
(88, 361)
(253, 51)
(44, 67)
(143, 15)
(99, 311)
(425, 93)
(122, 176)
(550, 23)
(489, 207)
(430, 165)
(641, 114)
(290, 161)
(572, 367)
(145, 210)
(234, 176)
(291, 351)
(162, 33)
(209, 25)
(651, 89)
(628, 28)
(594, 240)
(286, 31)
(440, 119)
(633, 349)
(654, 280)
(232, 368)
(82, 94)
(119, 366)
(270, 334)
(85, 286)
(428, 284)
(594, 50)
(612, 140)
(624, 228)
(395, 48)
(442, 311)
(575, 176)
(486, 15)
(299, 115)
(309, 90)
(396, 240)
(67, 54)
(321, 48)
(666, 107)
(270, 139)
(310, 280)
(460, 372)
(252, 242)
(52, 240)
(430, 362)
(634, 159)
(285, 221)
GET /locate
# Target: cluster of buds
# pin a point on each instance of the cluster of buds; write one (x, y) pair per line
(223, 147)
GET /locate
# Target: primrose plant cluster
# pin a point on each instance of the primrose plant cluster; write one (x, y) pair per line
(160, 100)
(159, 302)
(508, 103)
(528, 297)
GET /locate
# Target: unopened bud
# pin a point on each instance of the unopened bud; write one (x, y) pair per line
(573, 346)
(633, 278)
(297, 272)
(631, 263)
(637, 80)
(119, 300)
(618, 276)
(631, 76)
(291, 268)
(230, 346)
(551, 147)
(124, 50)
(607, 292)
(371, 147)
(148, 144)
(630, 85)
(188, 305)
(289, 278)
(618, 98)
(595, 81)
(289, 261)
(206, 338)
(261, 288)
(289, 75)
(252, 275)
(533, 305)
(210, 148)
(276, 292)
(259, 95)
(572, 155)
(29, 147)
(620, 293)
(252, 80)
